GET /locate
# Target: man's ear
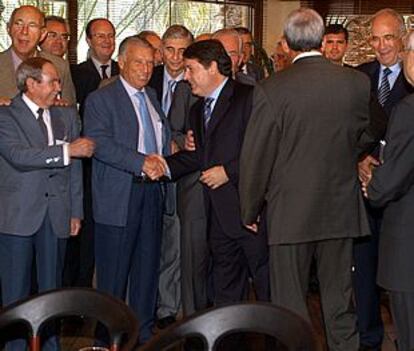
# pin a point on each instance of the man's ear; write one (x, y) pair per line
(43, 34)
(285, 46)
(213, 69)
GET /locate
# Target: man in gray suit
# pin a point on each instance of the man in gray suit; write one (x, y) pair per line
(299, 162)
(41, 184)
(26, 29)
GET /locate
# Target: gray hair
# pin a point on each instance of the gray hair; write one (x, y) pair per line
(304, 30)
(30, 68)
(230, 32)
(391, 13)
(177, 31)
(133, 40)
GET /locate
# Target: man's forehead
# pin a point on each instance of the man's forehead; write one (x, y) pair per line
(28, 11)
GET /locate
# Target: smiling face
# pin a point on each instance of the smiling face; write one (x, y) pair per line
(172, 53)
(44, 92)
(26, 30)
(136, 65)
(57, 38)
(202, 80)
(102, 40)
(386, 39)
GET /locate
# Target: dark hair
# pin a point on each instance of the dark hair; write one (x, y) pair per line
(88, 29)
(206, 52)
(30, 68)
(337, 29)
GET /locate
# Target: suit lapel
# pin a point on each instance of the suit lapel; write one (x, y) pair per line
(220, 109)
(27, 122)
(114, 68)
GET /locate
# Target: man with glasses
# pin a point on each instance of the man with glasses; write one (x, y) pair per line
(57, 37)
(26, 29)
(389, 86)
(100, 36)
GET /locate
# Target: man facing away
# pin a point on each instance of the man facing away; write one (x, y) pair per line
(299, 161)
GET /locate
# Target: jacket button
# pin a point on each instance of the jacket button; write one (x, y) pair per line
(46, 194)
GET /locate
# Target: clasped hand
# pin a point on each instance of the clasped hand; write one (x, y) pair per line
(154, 166)
(365, 168)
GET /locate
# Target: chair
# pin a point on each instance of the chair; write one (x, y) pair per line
(214, 324)
(38, 309)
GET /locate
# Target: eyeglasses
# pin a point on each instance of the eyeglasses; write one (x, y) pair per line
(55, 35)
(20, 24)
(103, 36)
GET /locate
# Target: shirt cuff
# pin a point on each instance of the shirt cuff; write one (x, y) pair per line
(66, 158)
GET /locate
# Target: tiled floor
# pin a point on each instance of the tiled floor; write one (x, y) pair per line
(81, 336)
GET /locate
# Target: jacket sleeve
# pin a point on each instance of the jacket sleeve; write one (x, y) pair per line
(395, 176)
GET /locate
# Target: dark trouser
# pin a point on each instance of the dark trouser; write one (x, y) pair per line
(367, 292)
(235, 258)
(289, 278)
(195, 253)
(131, 254)
(169, 286)
(402, 309)
(16, 259)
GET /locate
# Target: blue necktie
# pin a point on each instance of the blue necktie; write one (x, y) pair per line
(384, 90)
(166, 104)
(207, 111)
(150, 144)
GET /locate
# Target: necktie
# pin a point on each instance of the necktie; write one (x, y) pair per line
(150, 143)
(384, 89)
(207, 111)
(103, 70)
(42, 124)
(166, 104)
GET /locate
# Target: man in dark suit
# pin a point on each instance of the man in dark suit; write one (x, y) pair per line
(388, 86)
(41, 192)
(164, 80)
(127, 122)
(100, 36)
(299, 161)
(392, 186)
(87, 75)
(218, 121)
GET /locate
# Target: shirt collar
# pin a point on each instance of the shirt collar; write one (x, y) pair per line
(396, 67)
(307, 54)
(99, 64)
(167, 76)
(129, 88)
(216, 92)
(31, 105)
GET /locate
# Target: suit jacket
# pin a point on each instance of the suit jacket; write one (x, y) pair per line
(34, 181)
(157, 81)
(392, 186)
(400, 89)
(87, 79)
(220, 145)
(8, 85)
(300, 153)
(110, 119)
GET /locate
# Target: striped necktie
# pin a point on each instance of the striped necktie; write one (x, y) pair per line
(207, 111)
(384, 90)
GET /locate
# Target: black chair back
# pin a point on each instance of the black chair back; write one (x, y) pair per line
(214, 324)
(36, 310)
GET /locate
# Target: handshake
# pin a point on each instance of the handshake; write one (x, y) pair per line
(155, 166)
